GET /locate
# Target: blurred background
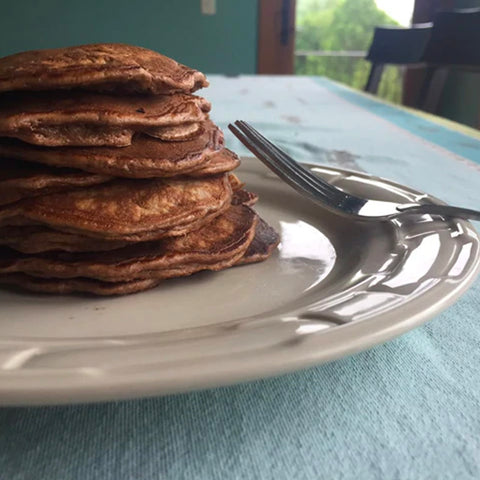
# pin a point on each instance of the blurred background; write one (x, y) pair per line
(304, 37)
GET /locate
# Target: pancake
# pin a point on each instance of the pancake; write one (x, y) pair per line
(77, 285)
(219, 162)
(24, 179)
(176, 133)
(235, 182)
(240, 195)
(146, 157)
(262, 245)
(19, 179)
(129, 210)
(244, 197)
(56, 119)
(106, 67)
(37, 239)
(217, 245)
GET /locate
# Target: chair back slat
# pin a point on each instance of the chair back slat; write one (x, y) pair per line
(455, 39)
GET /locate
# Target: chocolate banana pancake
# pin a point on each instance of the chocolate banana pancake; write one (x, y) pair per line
(240, 195)
(19, 179)
(130, 210)
(146, 157)
(56, 118)
(221, 161)
(217, 245)
(244, 197)
(77, 285)
(37, 239)
(25, 179)
(108, 67)
(235, 182)
(176, 133)
(262, 245)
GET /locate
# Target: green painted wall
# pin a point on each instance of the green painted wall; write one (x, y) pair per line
(222, 43)
(461, 97)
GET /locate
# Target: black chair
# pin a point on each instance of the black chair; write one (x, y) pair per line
(454, 44)
(397, 46)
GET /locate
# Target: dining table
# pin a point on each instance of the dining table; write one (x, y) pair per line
(408, 408)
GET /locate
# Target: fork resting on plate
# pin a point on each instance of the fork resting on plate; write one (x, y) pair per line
(329, 196)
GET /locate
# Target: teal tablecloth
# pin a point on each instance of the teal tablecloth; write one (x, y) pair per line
(409, 409)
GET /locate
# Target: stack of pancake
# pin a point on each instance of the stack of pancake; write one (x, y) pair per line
(113, 177)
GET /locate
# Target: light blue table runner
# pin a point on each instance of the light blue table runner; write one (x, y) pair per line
(409, 409)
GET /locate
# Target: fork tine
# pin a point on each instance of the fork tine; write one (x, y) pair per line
(320, 183)
(322, 192)
(278, 156)
(283, 170)
(294, 170)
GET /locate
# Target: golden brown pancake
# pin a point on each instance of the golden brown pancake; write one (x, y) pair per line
(77, 285)
(37, 239)
(219, 162)
(235, 182)
(146, 157)
(25, 179)
(106, 67)
(264, 243)
(20, 179)
(57, 119)
(240, 195)
(244, 197)
(176, 133)
(262, 246)
(129, 210)
(217, 245)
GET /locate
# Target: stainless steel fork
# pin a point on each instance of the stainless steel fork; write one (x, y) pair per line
(320, 191)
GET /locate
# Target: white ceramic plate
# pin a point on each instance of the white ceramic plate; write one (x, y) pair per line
(334, 287)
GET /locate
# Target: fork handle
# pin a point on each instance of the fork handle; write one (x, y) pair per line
(445, 210)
